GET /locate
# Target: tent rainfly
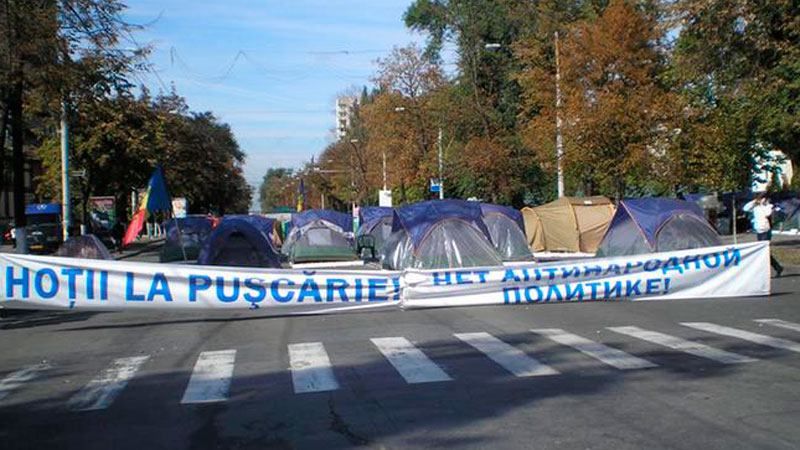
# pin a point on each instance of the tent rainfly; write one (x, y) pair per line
(649, 225)
(439, 234)
(507, 232)
(569, 224)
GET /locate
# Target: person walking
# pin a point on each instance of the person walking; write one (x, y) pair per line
(760, 210)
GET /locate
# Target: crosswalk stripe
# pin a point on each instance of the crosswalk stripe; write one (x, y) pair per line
(780, 324)
(101, 391)
(769, 341)
(16, 379)
(311, 368)
(609, 355)
(409, 361)
(680, 344)
(211, 377)
(507, 356)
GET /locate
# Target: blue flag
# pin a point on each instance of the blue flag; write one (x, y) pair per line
(158, 198)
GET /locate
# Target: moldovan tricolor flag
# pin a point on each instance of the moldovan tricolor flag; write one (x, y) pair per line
(156, 198)
(301, 195)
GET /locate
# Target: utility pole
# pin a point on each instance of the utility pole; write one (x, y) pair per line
(441, 179)
(559, 140)
(65, 197)
(384, 169)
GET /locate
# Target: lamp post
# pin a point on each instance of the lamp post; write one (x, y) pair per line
(66, 208)
(559, 139)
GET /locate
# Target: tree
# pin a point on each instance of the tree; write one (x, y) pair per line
(738, 65)
(615, 111)
(277, 189)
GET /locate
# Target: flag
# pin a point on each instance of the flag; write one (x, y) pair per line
(301, 195)
(156, 198)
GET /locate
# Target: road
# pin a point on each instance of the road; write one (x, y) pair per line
(461, 377)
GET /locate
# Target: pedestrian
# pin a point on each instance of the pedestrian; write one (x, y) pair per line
(760, 210)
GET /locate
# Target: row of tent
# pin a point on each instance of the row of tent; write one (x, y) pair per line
(444, 233)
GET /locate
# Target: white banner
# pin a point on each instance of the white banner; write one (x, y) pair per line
(729, 271)
(66, 283)
(55, 282)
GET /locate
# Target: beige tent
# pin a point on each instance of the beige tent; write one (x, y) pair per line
(569, 224)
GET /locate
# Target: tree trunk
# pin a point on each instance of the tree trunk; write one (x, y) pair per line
(18, 163)
(3, 129)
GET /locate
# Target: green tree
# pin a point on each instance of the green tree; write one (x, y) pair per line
(277, 189)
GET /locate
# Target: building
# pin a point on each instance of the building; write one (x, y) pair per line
(345, 109)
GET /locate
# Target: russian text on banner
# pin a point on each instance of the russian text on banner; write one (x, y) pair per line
(725, 271)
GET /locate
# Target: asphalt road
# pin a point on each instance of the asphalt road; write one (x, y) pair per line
(240, 380)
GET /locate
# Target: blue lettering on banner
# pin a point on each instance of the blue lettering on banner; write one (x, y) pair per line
(221, 296)
(510, 275)
(396, 284)
(23, 282)
(632, 288)
(130, 296)
(651, 265)
(257, 293)
(198, 283)
(159, 286)
(89, 284)
(72, 274)
(309, 289)
(612, 290)
(38, 283)
(336, 286)
(574, 291)
(463, 278)
(733, 256)
(687, 260)
(103, 285)
(630, 266)
(570, 272)
(441, 278)
(614, 268)
(375, 286)
(281, 298)
(652, 286)
(716, 262)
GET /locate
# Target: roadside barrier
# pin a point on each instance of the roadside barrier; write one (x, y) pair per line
(67, 283)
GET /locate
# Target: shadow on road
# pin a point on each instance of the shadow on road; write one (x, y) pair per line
(483, 406)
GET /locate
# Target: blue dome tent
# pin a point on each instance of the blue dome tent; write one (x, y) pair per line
(242, 241)
(439, 234)
(193, 232)
(648, 225)
(376, 221)
(506, 230)
(319, 235)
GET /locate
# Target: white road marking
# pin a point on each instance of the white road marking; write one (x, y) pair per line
(683, 345)
(211, 377)
(507, 356)
(409, 361)
(780, 324)
(311, 368)
(16, 379)
(761, 339)
(609, 355)
(100, 392)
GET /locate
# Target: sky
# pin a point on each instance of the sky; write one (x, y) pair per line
(272, 69)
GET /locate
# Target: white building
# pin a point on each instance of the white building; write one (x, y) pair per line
(345, 109)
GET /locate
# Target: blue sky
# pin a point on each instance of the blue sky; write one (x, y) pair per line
(271, 69)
